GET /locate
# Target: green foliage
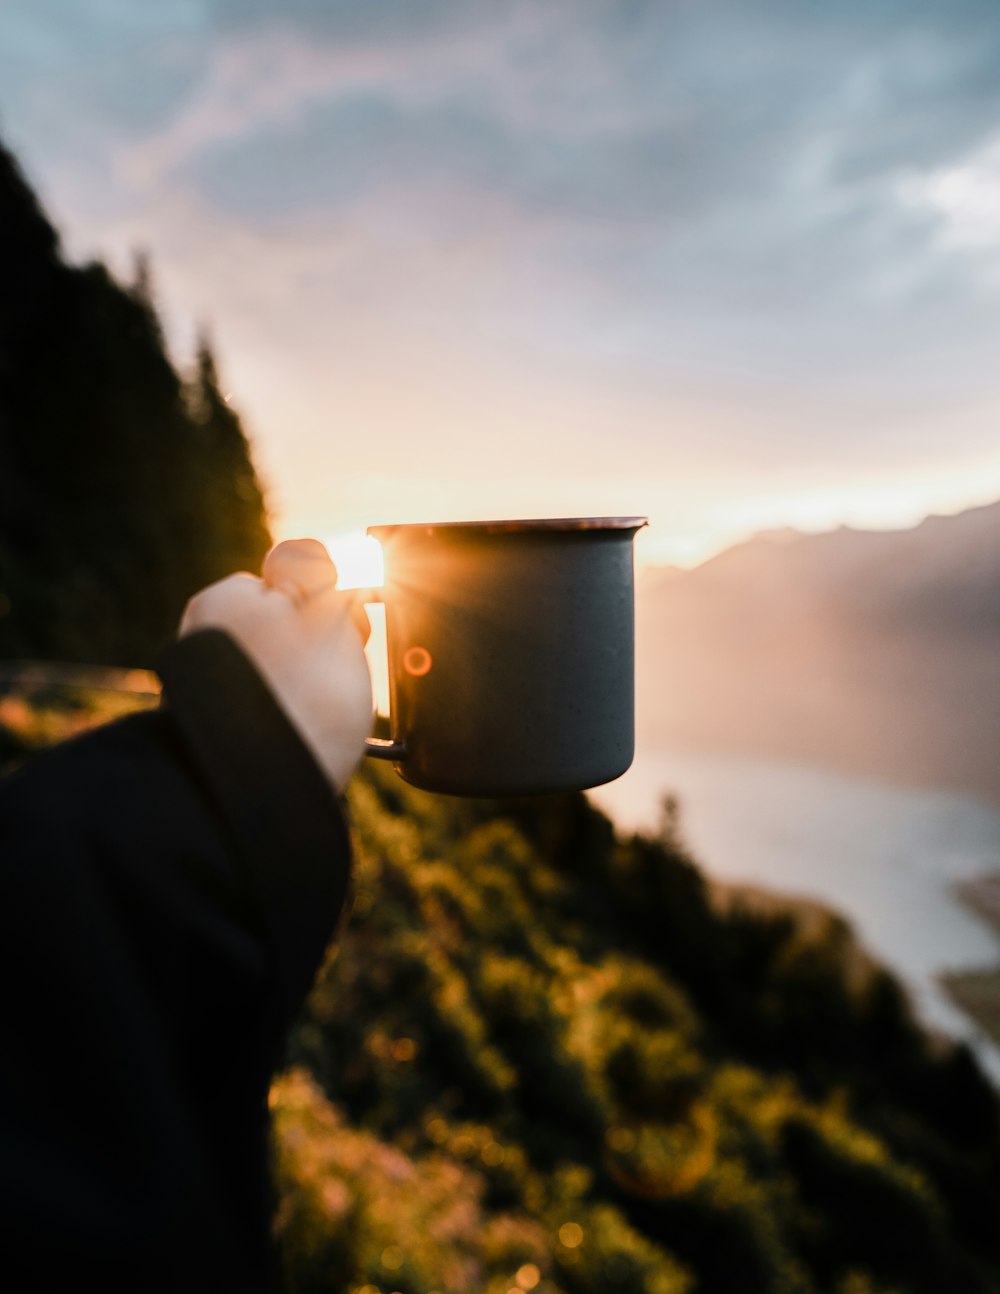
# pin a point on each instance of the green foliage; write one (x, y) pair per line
(34, 714)
(123, 487)
(712, 1097)
(506, 1078)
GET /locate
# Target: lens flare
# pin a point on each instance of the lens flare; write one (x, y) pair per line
(417, 661)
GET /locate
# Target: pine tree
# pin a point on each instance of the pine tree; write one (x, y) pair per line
(236, 501)
(123, 488)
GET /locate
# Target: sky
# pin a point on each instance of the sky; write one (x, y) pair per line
(734, 264)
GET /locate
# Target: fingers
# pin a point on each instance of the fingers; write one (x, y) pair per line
(227, 599)
(358, 613)
(300, 567)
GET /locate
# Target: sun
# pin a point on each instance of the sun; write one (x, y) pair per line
(359, 563)
(358, 559)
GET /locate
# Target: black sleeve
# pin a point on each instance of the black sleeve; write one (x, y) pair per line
(168, 885)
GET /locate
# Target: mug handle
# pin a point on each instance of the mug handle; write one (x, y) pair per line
(377, 747)
(380, 748)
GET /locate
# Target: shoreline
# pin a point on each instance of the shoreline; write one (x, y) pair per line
(888, 858)
(976, 992)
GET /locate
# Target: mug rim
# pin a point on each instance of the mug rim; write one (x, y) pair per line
(512, 526)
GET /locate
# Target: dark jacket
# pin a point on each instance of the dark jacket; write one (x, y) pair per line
(168, 885)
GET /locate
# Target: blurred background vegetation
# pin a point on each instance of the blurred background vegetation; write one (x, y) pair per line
(548, 1050)
(548, 1057)
(545, 1056)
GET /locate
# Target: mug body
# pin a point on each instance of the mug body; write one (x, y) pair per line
(511, 653)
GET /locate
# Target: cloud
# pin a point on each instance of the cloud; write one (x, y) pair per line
(108, 62)
(656, 190)
(685, 229)
(964, 198)
(644, 119)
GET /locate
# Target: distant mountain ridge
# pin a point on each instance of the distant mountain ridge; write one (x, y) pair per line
(877, 651)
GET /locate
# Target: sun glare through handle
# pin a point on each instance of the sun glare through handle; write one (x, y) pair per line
(358, 558)
(360, 565)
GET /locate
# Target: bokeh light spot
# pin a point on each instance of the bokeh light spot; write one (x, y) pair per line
(528, 1276)
(392, 1258)
(571, 1235)
(417, 661)
(492, 1154)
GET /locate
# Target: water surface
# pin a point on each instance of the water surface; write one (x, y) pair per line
(885, 856)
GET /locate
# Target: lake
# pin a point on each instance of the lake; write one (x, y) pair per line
(885, 856)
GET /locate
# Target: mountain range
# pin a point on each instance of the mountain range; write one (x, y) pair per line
(872, 651)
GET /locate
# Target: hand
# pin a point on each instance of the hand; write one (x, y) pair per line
(303, 637)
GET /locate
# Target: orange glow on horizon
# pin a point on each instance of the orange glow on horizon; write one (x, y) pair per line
(691, 518)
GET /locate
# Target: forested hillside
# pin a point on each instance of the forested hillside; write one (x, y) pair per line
(546, 1057)
(123, 485)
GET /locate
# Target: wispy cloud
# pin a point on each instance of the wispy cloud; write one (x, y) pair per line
(686, 231)
(964, 199)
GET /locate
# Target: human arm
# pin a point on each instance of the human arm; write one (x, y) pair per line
(170, 883)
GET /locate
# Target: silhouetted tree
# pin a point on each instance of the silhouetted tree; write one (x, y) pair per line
(123, 488)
